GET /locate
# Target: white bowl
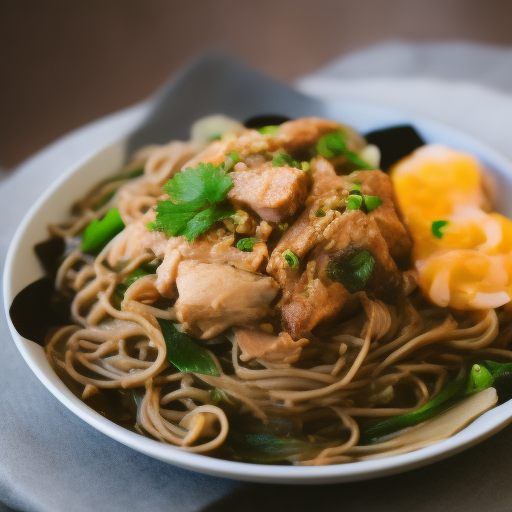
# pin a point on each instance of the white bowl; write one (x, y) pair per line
(22, 267)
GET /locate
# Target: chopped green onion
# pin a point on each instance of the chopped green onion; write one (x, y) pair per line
(356, 185)
(283, 227)
(480, 378)
(231, 160)
(305, 166)
(214, 136)
(247, 244)
(437, 226)
(354, 202)
(334, 144)
(99, 232)
(285, 160)
(291, 259)
(353, 269)
(269, 130)
(320, 212)
(183, 353)
(372, 202)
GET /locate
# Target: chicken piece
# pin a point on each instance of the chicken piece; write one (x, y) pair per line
(304, 133)
(310, 297)
(325, 179)
(394, 232)
(267, 347)
(274, 193)
(215, 296)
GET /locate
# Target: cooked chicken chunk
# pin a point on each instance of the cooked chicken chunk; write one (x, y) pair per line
(274, 193)
(215, 296)
(267, 347)
(379, 184)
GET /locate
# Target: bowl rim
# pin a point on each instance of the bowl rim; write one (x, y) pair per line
(485, 426)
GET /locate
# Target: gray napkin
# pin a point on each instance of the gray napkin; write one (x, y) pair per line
(50, 460)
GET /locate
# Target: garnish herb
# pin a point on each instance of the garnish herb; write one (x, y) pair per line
(99, 232)
(183, 353)
(372, 202)
(192, 206)
(291, 259)
(353, 269)
(305, 166)
(354, 202)
(271, 130)
(320, 213)
(247, 244)
(285, 160)
(437, 226)
(334, 144)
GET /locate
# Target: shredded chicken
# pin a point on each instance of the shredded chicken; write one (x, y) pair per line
(279, 349)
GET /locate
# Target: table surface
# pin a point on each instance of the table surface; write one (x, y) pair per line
(64, 63)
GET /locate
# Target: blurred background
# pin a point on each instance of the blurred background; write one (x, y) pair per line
(64, 63)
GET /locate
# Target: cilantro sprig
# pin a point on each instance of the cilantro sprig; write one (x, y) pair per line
(193, 204)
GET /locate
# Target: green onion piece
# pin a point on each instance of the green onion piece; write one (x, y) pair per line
(356, 185)
(334, 144)
(305, 166)
(247, 244)
(320, 213)
(354, 202)
(372, 202)
(496, 369)
(99, 232)
(353, 269)
(480, 378)
(183, 353)
(437, 226)
(285, 160)
(231, 160)
(437, 405)
(269, 130)
(291, 259)
(214, 136)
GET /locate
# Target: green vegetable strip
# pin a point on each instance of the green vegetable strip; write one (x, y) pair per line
(481, 377)
(100, 232)
(266, 448)
(183, 353)
(269, 130)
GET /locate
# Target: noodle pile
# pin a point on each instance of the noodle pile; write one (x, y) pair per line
(400, 354)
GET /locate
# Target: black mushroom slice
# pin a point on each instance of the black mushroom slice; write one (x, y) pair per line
(395, 143)
(37, 309)
(260, 121)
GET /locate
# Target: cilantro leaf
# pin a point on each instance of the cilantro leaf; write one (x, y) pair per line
(192, 205)
(172, 218)
(203, 220)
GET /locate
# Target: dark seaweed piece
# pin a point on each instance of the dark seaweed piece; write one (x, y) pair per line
(503, 385)
(49, 252)
(39, 308)
(394, 143)
(265, 120)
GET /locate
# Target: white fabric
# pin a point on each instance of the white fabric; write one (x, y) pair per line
(465, 85)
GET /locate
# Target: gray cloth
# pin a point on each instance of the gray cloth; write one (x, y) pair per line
(50, 460)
